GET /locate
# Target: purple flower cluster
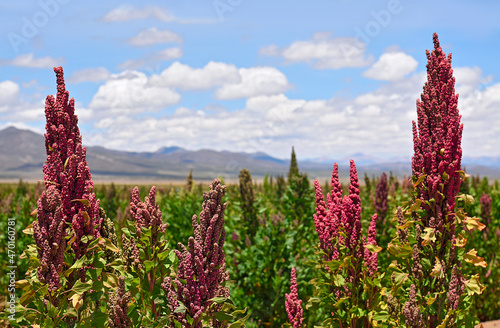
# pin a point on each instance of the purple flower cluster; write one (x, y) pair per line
(381, 197)
(49, 232)
(118, 307)
(485, 202)
(344, 213)
(146, 214)
(411, 310)
(456, 289)
(437, 137)
(66, 167)
(293, 304)
(202, 266)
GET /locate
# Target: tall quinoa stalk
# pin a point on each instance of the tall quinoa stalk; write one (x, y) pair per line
(68, 227)
(347, 283)
(67, 169)
(429, 281)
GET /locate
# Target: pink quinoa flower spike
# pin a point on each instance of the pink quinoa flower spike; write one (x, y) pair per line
(49, 231)
(437, 138)
(66, 167)
(146, 214)
(202, 266)
(293, 304)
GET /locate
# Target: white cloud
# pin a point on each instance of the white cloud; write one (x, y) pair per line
(97, 74)
(232, 83)
(128, 93)
(9, 92)
(16, 107)
(187, 78)
(467, 79)
(126, 13)
(254, 81)
(152, 59)
(323, 52)
(154, 36)
(376, 123)
(29, 60)
(392, 66)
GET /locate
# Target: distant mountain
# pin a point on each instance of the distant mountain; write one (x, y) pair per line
(22, 154)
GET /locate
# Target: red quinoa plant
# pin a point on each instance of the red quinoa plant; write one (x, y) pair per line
(430, 286)
(348, 282)
(65, 282)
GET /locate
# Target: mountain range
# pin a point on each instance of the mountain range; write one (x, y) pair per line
(22, 154)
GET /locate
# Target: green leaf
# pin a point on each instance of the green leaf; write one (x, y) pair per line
(313, 303)
(420, 180)
(220, 299)
(180, 309)
(416, 205)
(400, 277)
(373, 248)
(333, 264)
(398, 250)
(127, 232)
(338, 280)
(468, 199)
(429, 236)
(79, 263)
(81, 287)
(240, 322)
(163, 255)
(380, 316)
(110, 246)
(471, 257)
(222, 316)
(83, 201)
(437, 270)
(149, 265)
(474, 286)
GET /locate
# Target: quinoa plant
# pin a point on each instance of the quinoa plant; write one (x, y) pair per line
(430, 283)
(197, 294)
(145, 260)
(348, 283)
(381, 199)
(65, 283)
(294, 304)
(250, 222)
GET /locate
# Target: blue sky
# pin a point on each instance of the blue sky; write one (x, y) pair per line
(332, 78)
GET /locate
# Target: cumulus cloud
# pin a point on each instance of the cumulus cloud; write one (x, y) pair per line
(96, 74)
(29, 60)
(154, 36)
(254, 81)
(467, 79)
(392, 66)
(376, 123)
(187, 78)
(17, 107)
(231, 82)
(323, 52)
(128, 93)
(152, 59)
(127, 13)
(9, 91)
